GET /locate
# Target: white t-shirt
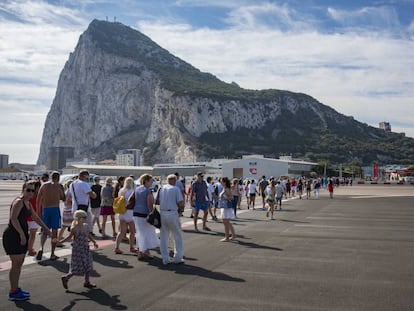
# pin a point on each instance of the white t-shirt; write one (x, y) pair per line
(252, 188)
(169, 197)
(210, 190)
(81, 195)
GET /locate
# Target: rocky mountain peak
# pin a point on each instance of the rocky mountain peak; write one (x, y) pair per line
(119, 90)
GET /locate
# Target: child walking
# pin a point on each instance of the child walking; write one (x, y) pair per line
(81, 259)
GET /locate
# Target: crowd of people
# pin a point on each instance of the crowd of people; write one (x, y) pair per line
(86, 206)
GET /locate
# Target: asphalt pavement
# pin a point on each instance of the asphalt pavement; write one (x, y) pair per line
(353, 252)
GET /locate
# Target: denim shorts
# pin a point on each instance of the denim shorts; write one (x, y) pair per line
(51, 217)
(201, 206)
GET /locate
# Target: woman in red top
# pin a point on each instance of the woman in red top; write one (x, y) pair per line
(330, 188)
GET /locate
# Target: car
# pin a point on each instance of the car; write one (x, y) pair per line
(66, 177)
(155, 184)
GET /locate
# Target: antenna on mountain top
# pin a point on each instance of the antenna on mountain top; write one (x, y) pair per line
(106, 18)
(114, 19)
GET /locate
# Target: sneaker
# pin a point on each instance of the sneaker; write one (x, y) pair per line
(24, 292)
(18, 296)
(179, 262)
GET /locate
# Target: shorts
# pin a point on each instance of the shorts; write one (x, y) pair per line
(201, 206)
(252, 195)
(279, 199)
(11, 242)
(67, 218)
(51, 217)
(33, 225)
(95, 211)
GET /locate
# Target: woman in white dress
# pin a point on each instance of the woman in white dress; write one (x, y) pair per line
(227, 211)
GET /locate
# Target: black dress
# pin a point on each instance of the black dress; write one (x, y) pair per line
(11, 238)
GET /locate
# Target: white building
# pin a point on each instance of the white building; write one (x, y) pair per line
(256, 166)
(128, 157)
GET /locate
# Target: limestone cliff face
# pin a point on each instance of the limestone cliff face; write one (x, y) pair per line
(101, 95)
(120, 90)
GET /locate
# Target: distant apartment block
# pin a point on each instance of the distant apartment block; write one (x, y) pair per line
(4, 161)
(128, 157)
(57, 156)
(386, 126)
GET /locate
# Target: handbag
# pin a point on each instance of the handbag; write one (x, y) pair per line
(119, 205)
(131, 201)
(154, 218)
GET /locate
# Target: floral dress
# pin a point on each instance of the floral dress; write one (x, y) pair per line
(81, 260)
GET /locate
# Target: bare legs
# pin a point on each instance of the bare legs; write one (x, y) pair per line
(104, 218)
(16, 268)
(124, 227)
(32, 237)
(228, 228)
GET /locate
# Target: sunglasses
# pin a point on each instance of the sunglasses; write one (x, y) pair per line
(30, 190)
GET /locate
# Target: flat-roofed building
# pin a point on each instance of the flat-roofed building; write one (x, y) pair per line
(256, 166)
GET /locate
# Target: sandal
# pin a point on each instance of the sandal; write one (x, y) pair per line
(32, 252)
(206, 229)
(64, 282)
(133, 250)
(54, 257)
(89, 285)
(39, 255)
(118, 251)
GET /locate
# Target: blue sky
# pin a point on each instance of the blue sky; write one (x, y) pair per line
(355, 56)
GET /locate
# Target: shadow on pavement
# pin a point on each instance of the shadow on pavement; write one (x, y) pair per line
(106, 261)
(254, 245)
(59, 265)
(297, 221)
(26, 305)
(187, 269)
(99, 296)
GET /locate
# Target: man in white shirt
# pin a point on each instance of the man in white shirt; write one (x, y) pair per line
(81, 192)
(171, 200)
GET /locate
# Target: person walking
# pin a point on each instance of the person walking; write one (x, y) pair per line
(16, 236)
(96, 204)
(252, 194)
(81, 258)
(270, 193)
(330, 188)
(200, 194)
(171, 201)
(227, 211)
(50, 194)
(33, 226)
(144, 203)
(67, 216)
(126, 221)
(107, 200)
(235, 191)
(280, 190)
(263, 183)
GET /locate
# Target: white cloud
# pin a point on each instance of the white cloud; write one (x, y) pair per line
(368, 77)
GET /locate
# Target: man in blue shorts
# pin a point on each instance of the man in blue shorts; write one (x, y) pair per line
(201, 202)
(49, 196)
